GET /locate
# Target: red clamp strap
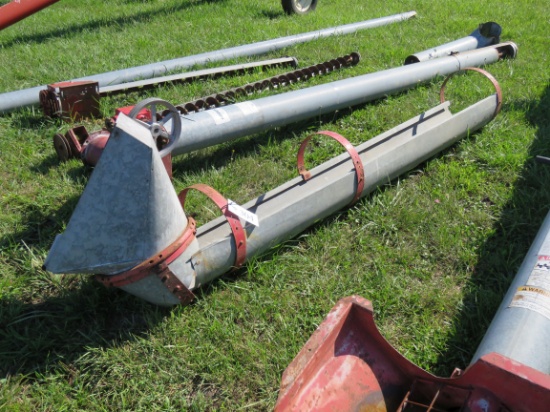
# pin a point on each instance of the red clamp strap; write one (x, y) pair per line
(239, 234)
(357, 163)
(158, 264)
(486, 74)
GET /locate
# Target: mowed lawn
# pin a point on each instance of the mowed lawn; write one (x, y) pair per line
(434, 250)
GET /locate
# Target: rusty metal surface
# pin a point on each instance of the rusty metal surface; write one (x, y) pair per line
(159, 265)
(71, 100)
(164, 257)
(347, 365)
(77, 100)
(174, 285)
(237, 69)
(491, 78)
(78, 143)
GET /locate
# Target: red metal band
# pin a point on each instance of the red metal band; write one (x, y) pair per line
(357, 163)
(155, 264)
(486, 74)
(239, 234)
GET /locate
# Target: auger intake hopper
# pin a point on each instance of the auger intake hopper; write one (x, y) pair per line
(347, 365)
(128, 214)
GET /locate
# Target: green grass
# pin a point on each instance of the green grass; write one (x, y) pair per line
(434, 251)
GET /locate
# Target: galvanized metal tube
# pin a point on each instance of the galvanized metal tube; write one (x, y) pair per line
(282, 213)
(226, 97)
(27, 97)
(296, 205)
(520, 329)
(485, 35)
(199, 74)
(208, 128)
(15, 11)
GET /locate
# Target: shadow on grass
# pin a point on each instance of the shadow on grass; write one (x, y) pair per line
(119, 21)
(271, 15)
(46, 336)
(55, 318)
(78, 173)
(38, 228)
(503, 253)
(41, 337)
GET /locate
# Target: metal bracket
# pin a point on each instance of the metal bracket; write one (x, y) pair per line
(239, 234)
(158, 264)
(498, 90)
(357, 163)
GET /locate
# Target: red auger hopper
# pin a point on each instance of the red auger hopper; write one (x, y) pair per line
(347, 365)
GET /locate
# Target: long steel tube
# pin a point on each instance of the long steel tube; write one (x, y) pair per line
(520, 329)
(485, 35)
(199, 74)
(291, 208)
(26, 97)
(105, 245)
(17, 10)
(211, 127)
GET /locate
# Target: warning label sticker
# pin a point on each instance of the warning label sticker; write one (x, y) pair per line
(532, 298)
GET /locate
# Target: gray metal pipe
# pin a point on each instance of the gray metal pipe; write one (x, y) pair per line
(485, 35)
(108, 241)
(26, 97)
(520, 329)
(200, 74)
(211, 127)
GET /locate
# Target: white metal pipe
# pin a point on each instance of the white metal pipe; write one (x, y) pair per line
(485, 35)
(520, 329)
(211, 127)
(26, 97)
(199, 74)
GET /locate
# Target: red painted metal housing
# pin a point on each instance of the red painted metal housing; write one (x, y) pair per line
(17, 10)
(347, 365)
(71, 100)
(78, 143)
